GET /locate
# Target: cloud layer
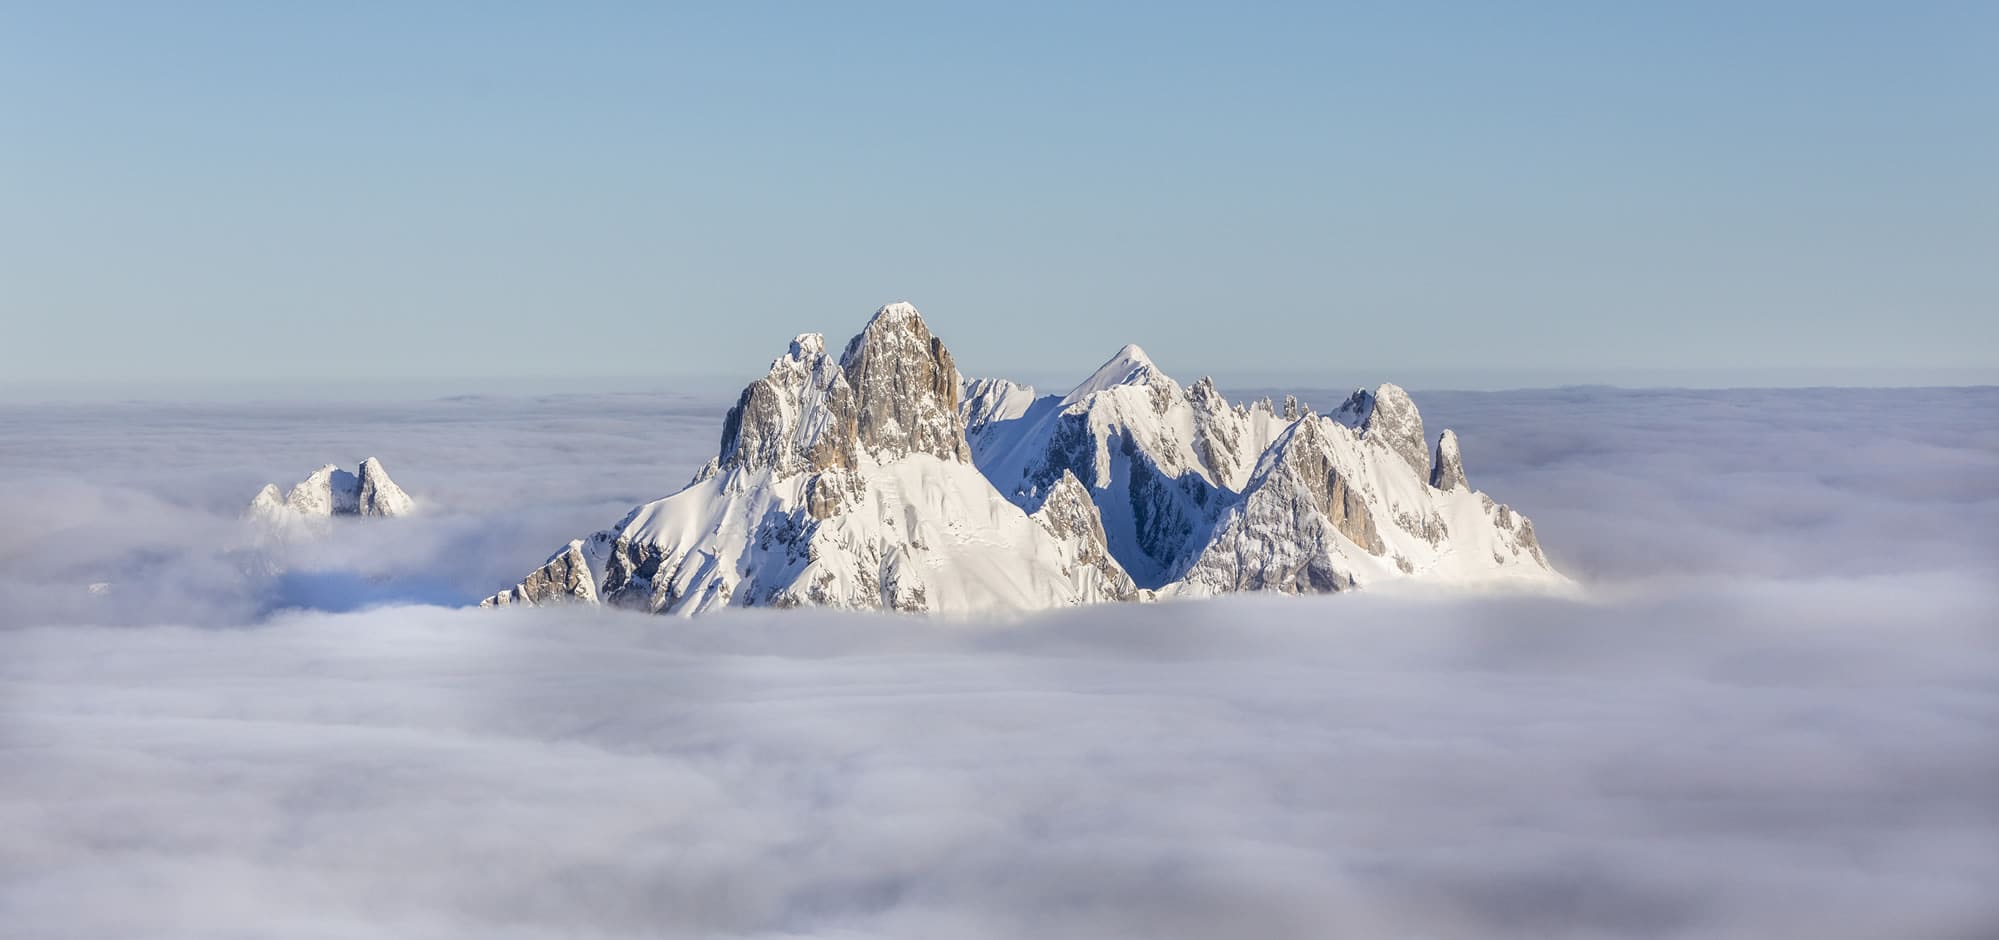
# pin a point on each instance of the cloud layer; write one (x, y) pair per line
(1771, 715)
(1747, 762)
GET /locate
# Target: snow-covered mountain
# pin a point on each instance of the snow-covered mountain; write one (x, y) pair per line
(885, 480)
(331, 491)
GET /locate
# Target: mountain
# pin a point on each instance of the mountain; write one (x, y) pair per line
(883, 479)
(330, 491)
(843, 483)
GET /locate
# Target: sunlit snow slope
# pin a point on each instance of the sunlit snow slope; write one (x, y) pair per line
(882, 479)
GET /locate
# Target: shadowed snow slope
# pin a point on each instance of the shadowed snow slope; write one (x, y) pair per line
(884, 480)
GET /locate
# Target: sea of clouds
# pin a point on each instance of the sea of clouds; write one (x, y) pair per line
(1773, 712)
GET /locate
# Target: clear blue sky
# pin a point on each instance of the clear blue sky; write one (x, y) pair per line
(260, 191)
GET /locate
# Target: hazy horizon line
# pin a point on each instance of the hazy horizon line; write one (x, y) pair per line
(385, 388)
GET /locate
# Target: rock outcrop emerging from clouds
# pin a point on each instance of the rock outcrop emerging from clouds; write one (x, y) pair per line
(884, 480)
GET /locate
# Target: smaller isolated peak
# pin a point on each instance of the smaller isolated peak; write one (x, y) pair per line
(331, 491)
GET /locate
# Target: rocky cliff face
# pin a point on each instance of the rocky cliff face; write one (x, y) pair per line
(1067, 513)
(570, 575)
(1389, 416)
(798, 417)
(883, 480)
(907, 388)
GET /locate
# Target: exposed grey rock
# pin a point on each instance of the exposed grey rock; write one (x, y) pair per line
(829, 492)
(1447, 471)
(567, 577)
(905, 388)
(1218, 431)
(1284, 533)
(1067, 513)
(1305, 461)
(893, 392)
(798, 418)
(1128, 487)
(1388, 415)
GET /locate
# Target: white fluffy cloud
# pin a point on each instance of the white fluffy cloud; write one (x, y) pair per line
(1787, 734)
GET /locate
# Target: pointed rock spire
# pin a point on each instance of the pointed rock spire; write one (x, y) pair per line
(905, 388)
(1447, 471)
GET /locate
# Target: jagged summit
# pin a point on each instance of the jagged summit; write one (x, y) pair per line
(331, 491)
(906, 388)
(883, 479)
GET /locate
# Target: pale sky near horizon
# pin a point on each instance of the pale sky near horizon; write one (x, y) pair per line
(241, 192)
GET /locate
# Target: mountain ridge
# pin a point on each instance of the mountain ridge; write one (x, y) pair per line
(884, 479)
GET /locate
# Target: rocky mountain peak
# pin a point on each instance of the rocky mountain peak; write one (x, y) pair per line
(1389, 416)
(1447, 471)
(1129, 487)
(797, 418)
(905, 388)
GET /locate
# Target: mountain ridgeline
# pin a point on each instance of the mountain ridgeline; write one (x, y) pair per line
(883, 479)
